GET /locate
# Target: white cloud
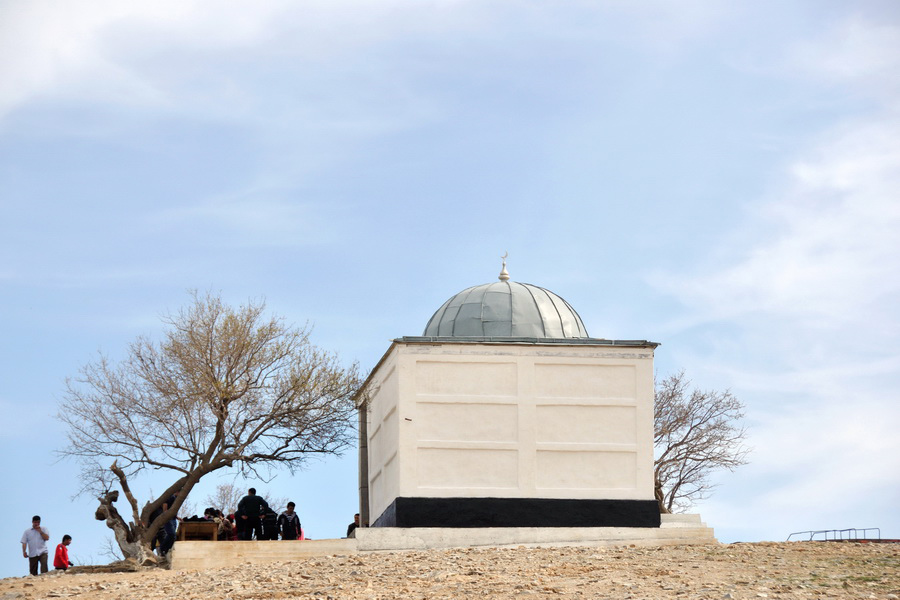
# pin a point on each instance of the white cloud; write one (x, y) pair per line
(802, 297)
(153, 54)
(98, 48)
(856, 51)
(96, 51)
(46, 45)
(828, 244)
(821, 464)
(812, 310)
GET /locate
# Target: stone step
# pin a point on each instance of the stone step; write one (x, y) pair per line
(203, 554)
(681, 520)
(395, 538)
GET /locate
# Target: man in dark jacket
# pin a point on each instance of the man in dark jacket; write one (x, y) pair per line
(165, 537)
(250, 508)
(269, 525)
(352, 526)
(289, 523)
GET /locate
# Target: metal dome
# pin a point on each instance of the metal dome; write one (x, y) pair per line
(506, 309)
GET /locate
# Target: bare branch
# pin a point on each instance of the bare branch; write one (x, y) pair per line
(695, 434)
(225, 498)
(123, 481)
(225, 387)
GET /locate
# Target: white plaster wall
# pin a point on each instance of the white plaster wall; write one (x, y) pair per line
(519, 421)
(383, 431)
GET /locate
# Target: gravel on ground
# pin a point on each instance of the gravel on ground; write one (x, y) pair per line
(721, 571)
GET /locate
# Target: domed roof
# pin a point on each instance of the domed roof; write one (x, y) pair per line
(506, 309)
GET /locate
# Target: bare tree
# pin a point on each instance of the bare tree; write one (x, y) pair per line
(227, 496)
(277, 503)
(225, 388)
(188, 509)
(110, 550)
(695, 433)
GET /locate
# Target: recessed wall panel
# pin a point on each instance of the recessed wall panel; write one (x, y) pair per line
(584, 381)
(377, 447)
(387, 395)
(465, 422)
(391, 474)
(376, 492)
(466, 378)
(585, 470)
(463, 469)
(586, 424)
(383, 442)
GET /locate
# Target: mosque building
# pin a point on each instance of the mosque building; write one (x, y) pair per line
(506, 413)
(503, 424)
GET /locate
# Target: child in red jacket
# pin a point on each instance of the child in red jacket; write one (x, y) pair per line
(61, 560)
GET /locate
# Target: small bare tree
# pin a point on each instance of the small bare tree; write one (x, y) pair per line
(226, 388)
(110, 549)
(278, 504)
(188, 509)
(227, 496)
(695, 433)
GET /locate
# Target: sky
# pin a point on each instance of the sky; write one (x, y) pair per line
(721, 178)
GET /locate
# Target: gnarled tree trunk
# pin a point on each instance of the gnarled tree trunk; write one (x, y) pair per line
(129, 536)
(660, 496)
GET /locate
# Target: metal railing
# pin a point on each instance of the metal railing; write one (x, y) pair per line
(852, 533)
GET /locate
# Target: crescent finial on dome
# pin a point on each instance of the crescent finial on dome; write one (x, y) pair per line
(504, 276)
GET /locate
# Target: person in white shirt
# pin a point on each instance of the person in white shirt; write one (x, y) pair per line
(34, 546)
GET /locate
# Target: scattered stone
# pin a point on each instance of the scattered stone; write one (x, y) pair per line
(793, 571)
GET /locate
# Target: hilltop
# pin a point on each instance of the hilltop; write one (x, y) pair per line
(758, 570)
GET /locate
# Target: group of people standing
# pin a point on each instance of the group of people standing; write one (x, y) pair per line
(34, 548)
(255, 519)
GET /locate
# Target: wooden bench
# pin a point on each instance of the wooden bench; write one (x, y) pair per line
(198, 531)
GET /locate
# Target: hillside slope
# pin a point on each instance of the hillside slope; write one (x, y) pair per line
(760, 570)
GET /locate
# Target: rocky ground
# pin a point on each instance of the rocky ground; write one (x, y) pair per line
(760, 570)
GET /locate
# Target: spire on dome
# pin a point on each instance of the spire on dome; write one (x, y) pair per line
(504, 276)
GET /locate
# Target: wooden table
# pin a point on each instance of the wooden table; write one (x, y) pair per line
(198, 530)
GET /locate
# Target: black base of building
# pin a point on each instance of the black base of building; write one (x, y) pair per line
(518, 512)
